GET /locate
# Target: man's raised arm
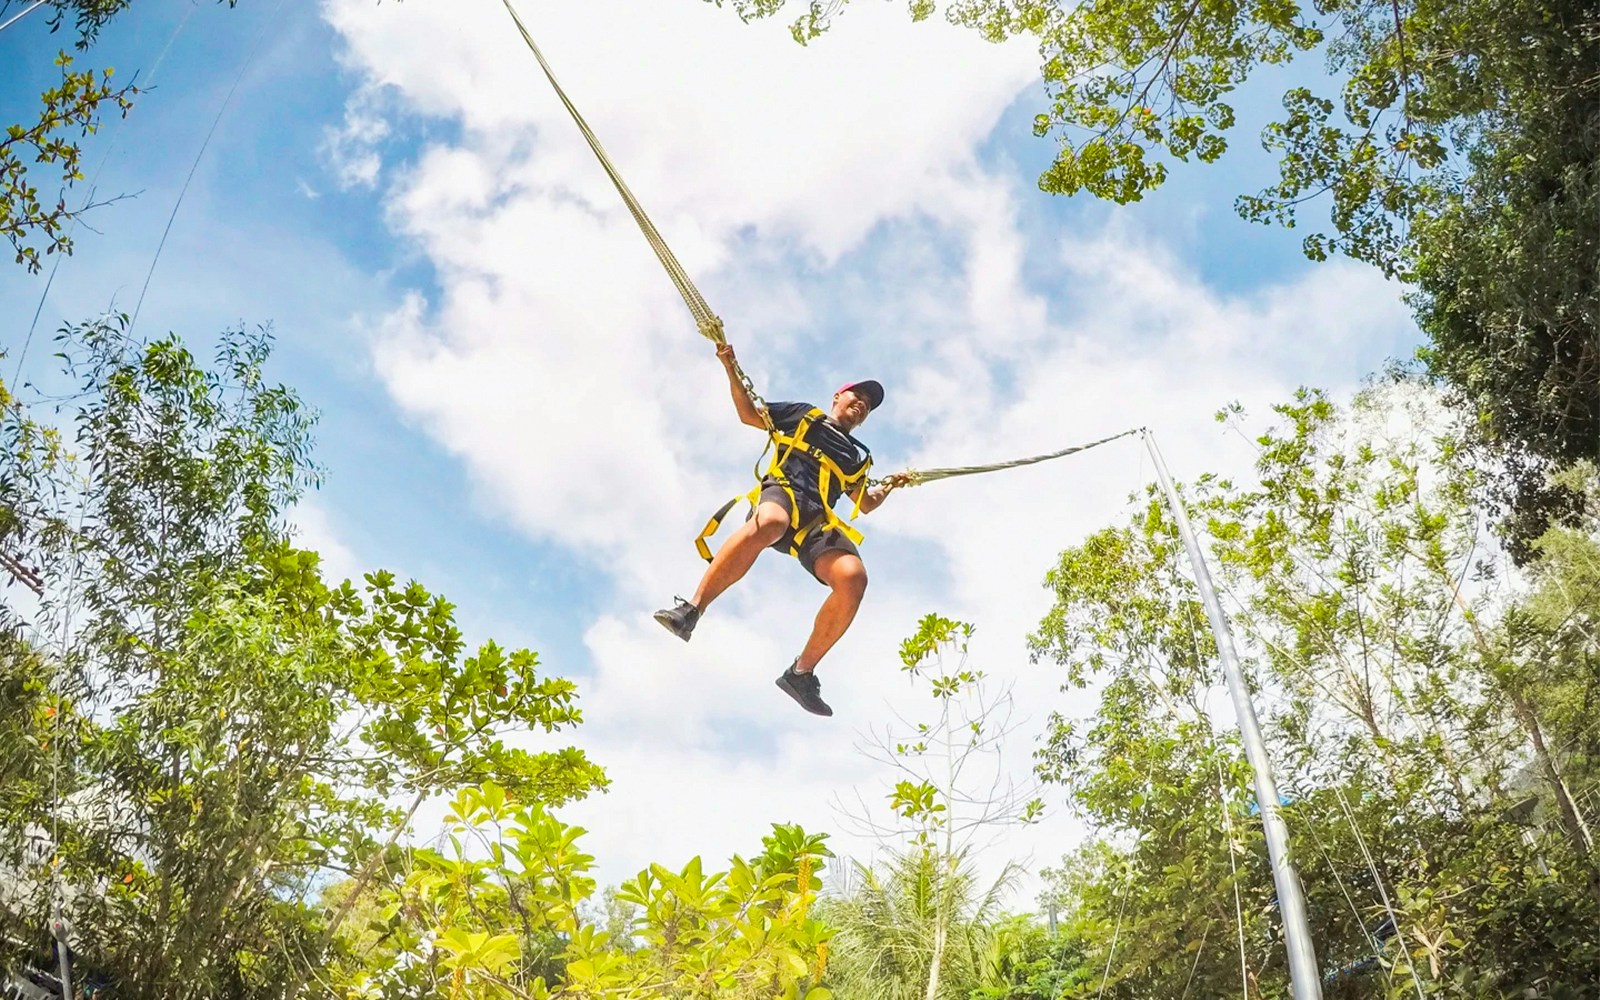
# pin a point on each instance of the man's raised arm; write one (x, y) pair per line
(749, 413)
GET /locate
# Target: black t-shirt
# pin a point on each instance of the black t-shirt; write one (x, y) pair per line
(801, 469)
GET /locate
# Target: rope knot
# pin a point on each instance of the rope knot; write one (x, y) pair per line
(711, 329)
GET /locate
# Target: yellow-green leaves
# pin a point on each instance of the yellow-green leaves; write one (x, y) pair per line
(514, 885)
(72, 110)
(471, 951)
(916, 801)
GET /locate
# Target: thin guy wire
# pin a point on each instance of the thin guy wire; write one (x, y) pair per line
(1122, 906)
(1115, 934)
(1223, 808)
(1268, 797)
(94, 185)
(1377, 878)
(1233, 864)
(1371, 864)
(249, 61)
(55, 742)
(1227, 824)
(1198, 954)
(1311, 828)
(36, 5)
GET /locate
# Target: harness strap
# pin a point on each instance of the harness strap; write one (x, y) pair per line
(715, 523)
(828, 471)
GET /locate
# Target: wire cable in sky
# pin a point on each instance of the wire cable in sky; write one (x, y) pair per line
(94, 185)
(249, 61)
(22, 14)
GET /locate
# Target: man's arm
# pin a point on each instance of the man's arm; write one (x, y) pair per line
(874, 497)
(749, 413)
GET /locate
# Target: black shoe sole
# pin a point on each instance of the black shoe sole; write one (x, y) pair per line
(671, 626)
(799, 700)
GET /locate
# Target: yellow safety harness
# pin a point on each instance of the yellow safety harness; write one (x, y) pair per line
(829, 472)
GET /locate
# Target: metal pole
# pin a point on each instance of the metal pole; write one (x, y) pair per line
(59, 931)
(1304, 981)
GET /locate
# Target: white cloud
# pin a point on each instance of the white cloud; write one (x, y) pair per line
(808, 190)
(314, 529)
(352, 148)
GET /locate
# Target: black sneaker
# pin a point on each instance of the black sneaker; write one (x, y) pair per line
(805, 689)
(681, 619)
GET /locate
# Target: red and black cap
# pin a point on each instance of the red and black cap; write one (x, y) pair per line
(870, 390)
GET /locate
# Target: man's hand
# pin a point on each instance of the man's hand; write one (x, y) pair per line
(876, 495)
(725, 355)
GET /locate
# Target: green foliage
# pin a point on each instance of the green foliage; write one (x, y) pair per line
(224, 728)
(501, 914)
(1133, 84)
(29, 722)
(89, 16)
(920, 925)
(937, 796)
(1507, 290)
(70, 112)
(1026, 961)
(1421, 710)
(69, 115)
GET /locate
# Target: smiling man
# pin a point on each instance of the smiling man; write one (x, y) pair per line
(817, 461)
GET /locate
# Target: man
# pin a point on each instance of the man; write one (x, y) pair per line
(817, 461)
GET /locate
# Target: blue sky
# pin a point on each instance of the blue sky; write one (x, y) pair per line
(516, 411)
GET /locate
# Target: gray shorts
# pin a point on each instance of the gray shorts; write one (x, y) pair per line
(815, 543)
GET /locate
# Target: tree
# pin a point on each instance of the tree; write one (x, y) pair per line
(89, 16)
(1505, 264)
(1412, 692)
(1560, 625)
(226, 729)
(25, 761)
(1132, 81)
(920, 925)
(1027, 961)
(500, 914)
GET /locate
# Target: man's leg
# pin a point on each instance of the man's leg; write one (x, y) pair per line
(846, 577)
(734, 559)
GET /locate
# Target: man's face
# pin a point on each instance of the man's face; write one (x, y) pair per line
(850, 410)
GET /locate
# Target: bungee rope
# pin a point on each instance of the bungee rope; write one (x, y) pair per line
(710, 325)
(916, 477)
